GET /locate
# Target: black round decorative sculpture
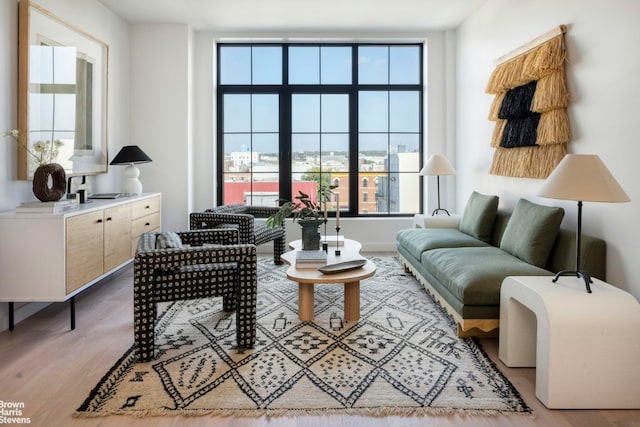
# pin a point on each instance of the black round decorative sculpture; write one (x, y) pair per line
(41, 188)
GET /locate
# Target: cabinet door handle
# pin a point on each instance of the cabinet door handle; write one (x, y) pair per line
(108, 218)
(99, 221)
(146, 224)
(147, 207)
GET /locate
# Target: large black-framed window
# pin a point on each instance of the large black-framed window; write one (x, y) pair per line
(293, 117)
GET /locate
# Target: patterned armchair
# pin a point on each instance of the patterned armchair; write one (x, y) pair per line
(242, 218)
(180, 266)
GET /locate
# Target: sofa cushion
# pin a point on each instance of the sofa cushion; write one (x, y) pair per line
(418, 240)
(531, 232)
(479, 214)
(168, 239)
(475, 275)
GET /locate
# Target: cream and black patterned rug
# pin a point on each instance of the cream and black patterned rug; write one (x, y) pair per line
(401, 358)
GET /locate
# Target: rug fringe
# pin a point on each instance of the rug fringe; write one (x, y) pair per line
(376, 412)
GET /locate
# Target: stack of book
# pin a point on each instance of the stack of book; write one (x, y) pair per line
(48, 207)
(311, 260)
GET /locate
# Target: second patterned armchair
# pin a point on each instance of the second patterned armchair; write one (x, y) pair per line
(242, 218)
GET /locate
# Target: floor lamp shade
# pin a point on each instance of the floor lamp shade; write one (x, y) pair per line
(131, 155)
(438, 165)
(583, 178)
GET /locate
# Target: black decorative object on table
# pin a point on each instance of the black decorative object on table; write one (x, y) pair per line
(41, 177)
(325, 244)
(310, 234)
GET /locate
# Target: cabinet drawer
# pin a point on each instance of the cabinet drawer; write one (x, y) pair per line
(145, 207)
(145, 224)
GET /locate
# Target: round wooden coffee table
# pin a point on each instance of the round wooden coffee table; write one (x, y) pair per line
(307, 278)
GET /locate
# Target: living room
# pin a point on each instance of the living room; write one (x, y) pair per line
(175, 128)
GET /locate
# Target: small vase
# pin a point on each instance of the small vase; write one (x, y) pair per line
(49, 182)
(310, 234)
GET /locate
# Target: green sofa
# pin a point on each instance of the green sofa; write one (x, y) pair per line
(464, 268)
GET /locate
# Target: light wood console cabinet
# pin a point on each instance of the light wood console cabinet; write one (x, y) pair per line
(53, 257)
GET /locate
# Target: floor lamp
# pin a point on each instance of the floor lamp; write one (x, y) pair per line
(583, 178)
(438, 165)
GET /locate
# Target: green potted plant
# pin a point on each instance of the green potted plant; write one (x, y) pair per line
(307, 213)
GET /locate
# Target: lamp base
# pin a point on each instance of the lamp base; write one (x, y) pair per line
(583, 274)
(130, 183)
(438, 210)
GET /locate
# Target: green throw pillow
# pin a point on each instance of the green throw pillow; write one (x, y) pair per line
(532, 231)
(168, 239)
(479, 215)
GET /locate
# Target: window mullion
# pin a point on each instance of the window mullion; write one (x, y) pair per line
(353, 151)
(285, 184)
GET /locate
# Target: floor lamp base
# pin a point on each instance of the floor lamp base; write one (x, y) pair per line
(583, 274)
(438, 210)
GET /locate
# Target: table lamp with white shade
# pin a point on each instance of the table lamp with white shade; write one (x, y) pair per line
(131, 155)
(583, 178)
(438, 165)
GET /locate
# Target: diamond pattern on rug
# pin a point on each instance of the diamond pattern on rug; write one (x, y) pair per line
(268, 372)
(418, 374)
(401, 357)
(370, 341)
(341, 372)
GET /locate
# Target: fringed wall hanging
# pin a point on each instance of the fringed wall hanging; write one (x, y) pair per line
(529, 108)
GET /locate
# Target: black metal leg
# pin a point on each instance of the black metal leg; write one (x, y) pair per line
(579, 274)
(440, 209)
(72, 306)
(11, 319)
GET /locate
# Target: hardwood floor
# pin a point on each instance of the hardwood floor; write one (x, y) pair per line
(52, 369)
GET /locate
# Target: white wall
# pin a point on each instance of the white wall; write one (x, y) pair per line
(603, 66)
(161, 101)
(204, 112)
(93, 17)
